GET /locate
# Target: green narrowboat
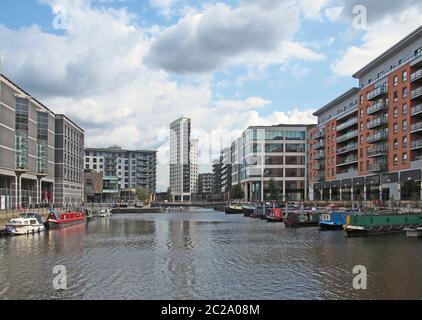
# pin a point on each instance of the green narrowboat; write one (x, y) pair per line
(367, 224)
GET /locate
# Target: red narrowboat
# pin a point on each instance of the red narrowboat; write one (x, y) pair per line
(65, 219)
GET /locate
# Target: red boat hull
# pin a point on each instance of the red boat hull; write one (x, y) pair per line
(66, 219)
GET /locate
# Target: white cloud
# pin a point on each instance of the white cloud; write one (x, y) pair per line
(380, 36)
(165, 6)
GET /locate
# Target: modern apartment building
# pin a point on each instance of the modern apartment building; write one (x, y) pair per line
(194, 165)
(368, 144)
(272, 152)
(29, 164)
(69, 155)
(125, 169)
(180, 144)
(226, 170)
(206, 183)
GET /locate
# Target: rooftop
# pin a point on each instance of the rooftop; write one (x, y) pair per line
(350, 93)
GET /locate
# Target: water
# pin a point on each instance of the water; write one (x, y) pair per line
(206, 255)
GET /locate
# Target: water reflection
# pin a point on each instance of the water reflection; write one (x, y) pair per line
(206, 255)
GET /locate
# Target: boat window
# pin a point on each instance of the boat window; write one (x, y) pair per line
(388, 220)
(33, 221)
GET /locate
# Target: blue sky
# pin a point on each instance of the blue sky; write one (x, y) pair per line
(124, 69)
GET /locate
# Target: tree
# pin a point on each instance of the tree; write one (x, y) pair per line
(143, 194)
(273, 189)
(168, 195)
(236, 192)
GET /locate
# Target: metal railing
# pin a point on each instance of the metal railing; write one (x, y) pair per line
(347, 136)
(347, 148)
(379, 106)
(416, 109)
(347, 124)
(416, 127)
(416, 144)
(377, 92)
(377, 136)
(416, 93)
(416, 75)
(383, 120)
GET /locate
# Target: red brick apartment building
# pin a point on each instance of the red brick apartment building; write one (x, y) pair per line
(368, 142)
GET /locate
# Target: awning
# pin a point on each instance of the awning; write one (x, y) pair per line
(414, 175)
(390, 178)
(372, 180)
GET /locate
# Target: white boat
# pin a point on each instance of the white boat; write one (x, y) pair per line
(104, 213)
(413, 232)
(28, 223)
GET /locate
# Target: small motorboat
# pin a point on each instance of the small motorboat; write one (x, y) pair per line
(65, 219)
(413, 232)
(248, 210)
(104, 213)
(234, 209)
(28, 223)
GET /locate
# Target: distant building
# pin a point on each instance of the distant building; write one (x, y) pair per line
(131, 168)
(226, 170)
(206, 183)
(180, 144)
(194, 165)
(216, 170)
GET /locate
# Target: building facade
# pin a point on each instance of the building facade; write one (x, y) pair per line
(226, 170)
(194, 165)
(123, 169)
(69, 165)
(28, 151)
(206, 183)
(377, 147)
(180, 144)
(272, 152)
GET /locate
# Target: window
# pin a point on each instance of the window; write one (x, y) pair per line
(295, 148)
(395, 159)
(295, 135)
(396, 81)
(274, 147)
(404, 157)
(404, 76)
(395, 144)
(395, 112)
(396, 96)
(361, 99)
(404, 109)
(395, 128)
(404, 143)
(404, 92)
(404, 125)
(361, 113)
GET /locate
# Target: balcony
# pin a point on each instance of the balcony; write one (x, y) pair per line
(377, 107)
(320, 176)
(377, 122)
(416, 93)
(319, 145)
(347, 148)
(416, 145)
(347, 161)
(347, 124)
(317, 166)
(416, 76)
(416, 127)
(416, 110)
(378, 93)
(378, 166)
(319, 134)
(320, 155)
(347, 112)
(379, 136)
(379, 151)
(347, 136)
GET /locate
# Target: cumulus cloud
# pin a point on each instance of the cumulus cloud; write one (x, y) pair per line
(378, 37)
(254, 31)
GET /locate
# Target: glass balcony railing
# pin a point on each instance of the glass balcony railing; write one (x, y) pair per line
(380, 121)
(319, 135)
(320, 155)
(347, 124)
(381, 150)
(380, 91)
(348, 148)
(416, 144)
(347, 160)
(379, 106)
(378, 166)
(416, 127)
(416, 93)
(416, 75)
(379, 136)
(347, 136)
(319, 145)
(416, 110)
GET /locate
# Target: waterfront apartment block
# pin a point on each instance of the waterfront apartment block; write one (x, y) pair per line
(368, 143)
(180, 166)
(226, 170)
(28, 151)
(123, 170)
(272, 152)
(206, 183)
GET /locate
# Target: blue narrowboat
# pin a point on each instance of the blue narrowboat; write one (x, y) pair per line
(333, 221)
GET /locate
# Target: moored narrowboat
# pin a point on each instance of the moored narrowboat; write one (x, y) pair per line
(65, 219)
(332, 221)
(234, 209)
(274, 215)
(373, 224)
(301, 218)
(248, 210)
